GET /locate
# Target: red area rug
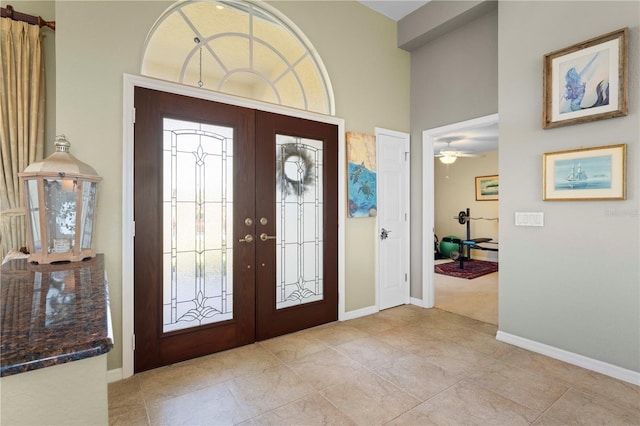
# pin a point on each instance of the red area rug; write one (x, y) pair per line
(472, 269)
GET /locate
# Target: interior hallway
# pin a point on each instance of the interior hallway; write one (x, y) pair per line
(405, 365)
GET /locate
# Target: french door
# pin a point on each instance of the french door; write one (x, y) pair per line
(236, 226)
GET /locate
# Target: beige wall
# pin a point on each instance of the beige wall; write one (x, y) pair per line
(454, 187)
(96, 43)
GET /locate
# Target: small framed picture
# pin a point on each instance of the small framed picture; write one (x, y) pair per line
(487, 188)
(585, 174)
(586, 81)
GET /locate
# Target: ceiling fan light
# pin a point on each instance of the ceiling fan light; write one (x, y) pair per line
(447, 159)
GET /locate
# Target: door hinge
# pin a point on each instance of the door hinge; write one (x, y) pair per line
(133, 341)
(405, 217)
(405, 277)
(134, 228)
(406, 155)
(133, 115)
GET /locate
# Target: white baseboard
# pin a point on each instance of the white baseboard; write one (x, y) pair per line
(114, 375)
(417, 302)
(607, 369)
(360, 312)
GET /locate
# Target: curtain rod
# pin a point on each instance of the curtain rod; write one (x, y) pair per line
(10, 13)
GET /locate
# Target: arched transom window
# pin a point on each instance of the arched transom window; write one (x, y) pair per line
(243, 48)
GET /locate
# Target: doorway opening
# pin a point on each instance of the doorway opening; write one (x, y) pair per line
(449, 189)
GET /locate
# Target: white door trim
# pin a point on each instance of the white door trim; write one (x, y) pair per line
(407, 208)
(428, 136)
(128, 228)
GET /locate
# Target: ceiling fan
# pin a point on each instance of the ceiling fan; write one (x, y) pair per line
(448, 155)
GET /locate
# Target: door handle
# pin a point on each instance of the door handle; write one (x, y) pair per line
(247, 239)
(265, 237)
(384, 234)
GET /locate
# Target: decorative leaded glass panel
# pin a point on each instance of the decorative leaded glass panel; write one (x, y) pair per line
(299, 221)
(198, 224)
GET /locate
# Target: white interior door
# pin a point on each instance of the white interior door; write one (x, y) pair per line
(393, 217)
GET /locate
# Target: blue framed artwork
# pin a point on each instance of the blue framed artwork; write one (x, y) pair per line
(587, 81)
(361, 177)
(585, 174)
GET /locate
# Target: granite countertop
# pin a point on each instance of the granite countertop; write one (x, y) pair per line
(52, 314)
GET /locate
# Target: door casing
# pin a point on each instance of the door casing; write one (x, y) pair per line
(128, 225)
(428, 191)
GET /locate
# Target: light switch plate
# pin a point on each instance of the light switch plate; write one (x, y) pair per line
(529, 219)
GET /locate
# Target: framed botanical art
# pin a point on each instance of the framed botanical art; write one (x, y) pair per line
(487, 188)
(585, 174)
(586, 81)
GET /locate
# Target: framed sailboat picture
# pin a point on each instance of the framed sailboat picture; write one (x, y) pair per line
(597, 173)
(586, 81)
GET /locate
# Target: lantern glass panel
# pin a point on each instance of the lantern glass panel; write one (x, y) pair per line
(88, 211)
(60, 205)
(34, 215)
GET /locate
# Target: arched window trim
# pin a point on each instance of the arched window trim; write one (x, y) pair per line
(255, 8)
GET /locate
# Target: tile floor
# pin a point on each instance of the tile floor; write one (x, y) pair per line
(401, 366)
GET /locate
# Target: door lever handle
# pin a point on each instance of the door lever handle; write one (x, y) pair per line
(384, 234)
(247, 239)
(265, 237)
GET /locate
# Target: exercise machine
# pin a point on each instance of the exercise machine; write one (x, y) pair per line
(468, 243)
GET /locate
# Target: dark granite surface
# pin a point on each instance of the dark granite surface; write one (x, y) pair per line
(52, 314)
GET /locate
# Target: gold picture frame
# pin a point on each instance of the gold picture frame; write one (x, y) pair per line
(487, 188)
(586, 81)
(597, 173)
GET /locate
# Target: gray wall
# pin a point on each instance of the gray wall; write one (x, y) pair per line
(453, 78)
(574, 283)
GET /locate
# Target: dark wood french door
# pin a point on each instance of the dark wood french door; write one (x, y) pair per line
(236, 226)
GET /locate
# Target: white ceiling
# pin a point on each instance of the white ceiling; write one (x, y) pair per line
(472, 141)
(394, 9)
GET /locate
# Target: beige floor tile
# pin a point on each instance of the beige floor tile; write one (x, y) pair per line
(577, 408)
(481, 342)
(259, 393)
(369, 399)
(293, 346)
(407, 339)
(546, 366)
(214, 405)
(336, 333)
(125, 396)
(373, 324)
(618, 392)
(467, 404)
(531, 390)
(130, 417)
(325, 368)
(418, 377)
(310, 411)
(380, 371)
(370, 352)
(172, 381)
(249, 359)
(452, 357)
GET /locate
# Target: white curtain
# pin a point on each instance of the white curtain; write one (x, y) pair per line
(21, 122)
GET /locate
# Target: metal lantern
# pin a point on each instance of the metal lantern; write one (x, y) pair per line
(60, 198)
